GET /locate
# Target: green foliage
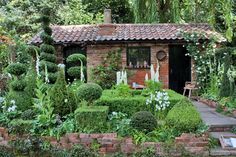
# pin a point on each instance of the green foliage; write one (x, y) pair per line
(63, 101)
(77, 57)
(89, 92)
(121, 9)
(105, 74)
(123, 90)
(120, 123)
(48, 57)
(143, 121)
(225, 84)
(6, 152)
(47, 39)
(148, 152)
(32, 50)
(16, 69)
(28, 114)
(30, 78)
(184, 117)
(75, 71)
(28, 146)
(80, 151)
(151, 87)
(130, 105)
(47, 48)
(74, 12)
(45, 120)
(91, 118)
(52, 67)
(20, 126)
(18, 85)
(22, 99)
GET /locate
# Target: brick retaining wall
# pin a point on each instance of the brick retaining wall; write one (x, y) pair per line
(110, 143)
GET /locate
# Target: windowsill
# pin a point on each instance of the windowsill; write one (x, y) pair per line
(133, 68)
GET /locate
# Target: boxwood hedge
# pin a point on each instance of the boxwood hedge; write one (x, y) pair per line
(131, 105)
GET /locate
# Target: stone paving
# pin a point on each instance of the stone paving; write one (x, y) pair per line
(212, 118)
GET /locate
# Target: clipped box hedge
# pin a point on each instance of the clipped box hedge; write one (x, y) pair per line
(131, 105)
(91, 117)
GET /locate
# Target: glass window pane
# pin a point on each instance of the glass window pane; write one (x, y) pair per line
(138, 57)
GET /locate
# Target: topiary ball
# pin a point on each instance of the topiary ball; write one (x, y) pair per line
(18, 85)
(75, 71)
(183, 116)
(47, 39)
(48, 57)
(47, 48)
(32, 50)
(76, 58)
(89, 92)
(16, 69)
(143, 121)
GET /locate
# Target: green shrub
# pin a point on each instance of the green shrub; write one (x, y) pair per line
(47, 30)
(123, 90)
(52, 77)
(62, 99)
(91, 118)
(18, 85)
(32, 50)
(151, 87)
(16, 69)
(30, 78)
(28, 114)
(183, 116)
(47, 39)
(81, 151)
(89, 92)
(131, 105)
(143, 121)
(47, 49)
(23, 101)
(48, 57)
(20, 126)
(74, 58)
(75, 71)
(6, 152)
(126, 105)
(52, 67)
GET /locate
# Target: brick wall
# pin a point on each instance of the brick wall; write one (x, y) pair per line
(110, 143)
(96, 53)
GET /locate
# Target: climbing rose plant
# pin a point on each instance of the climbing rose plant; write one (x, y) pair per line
(203, 54)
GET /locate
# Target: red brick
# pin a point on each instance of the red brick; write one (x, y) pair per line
(73, 137)
(83, 135)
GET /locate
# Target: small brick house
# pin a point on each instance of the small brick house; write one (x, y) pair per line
(141, 45)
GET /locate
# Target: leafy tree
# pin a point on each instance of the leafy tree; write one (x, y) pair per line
(121, 9)
(74, 12)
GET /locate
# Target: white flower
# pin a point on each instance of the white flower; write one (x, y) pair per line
(66, 100)
(13, 102)
(62, 66)
(12, 108)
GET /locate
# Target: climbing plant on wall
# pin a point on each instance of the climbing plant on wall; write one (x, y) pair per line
(202, 52)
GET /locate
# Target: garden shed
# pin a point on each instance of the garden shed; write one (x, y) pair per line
(141, 45)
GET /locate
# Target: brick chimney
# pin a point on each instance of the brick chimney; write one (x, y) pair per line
(107, 16)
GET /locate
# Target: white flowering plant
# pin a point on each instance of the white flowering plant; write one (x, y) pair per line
(158, 103)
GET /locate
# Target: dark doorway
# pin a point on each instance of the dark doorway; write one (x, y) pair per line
(179, 67)
(71, 50)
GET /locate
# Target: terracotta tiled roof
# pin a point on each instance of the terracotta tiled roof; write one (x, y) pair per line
(123, 32)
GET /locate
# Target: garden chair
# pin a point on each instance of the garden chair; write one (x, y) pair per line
(191, 86)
